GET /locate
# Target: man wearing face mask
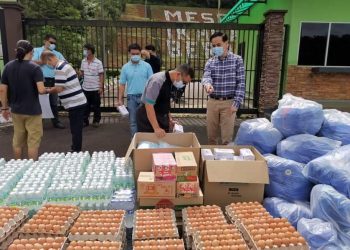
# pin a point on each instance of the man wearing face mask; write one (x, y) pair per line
(49, 74)
(92, 71)
(154, 113)
(134, 74)
(224, 81)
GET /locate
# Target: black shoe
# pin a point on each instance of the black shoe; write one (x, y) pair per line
(59, 125)
(86, 124)
(95, 124)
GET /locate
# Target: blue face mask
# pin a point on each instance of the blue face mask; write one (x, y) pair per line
(135, 58)
(218, 51)
(179, 84)
(52, 46)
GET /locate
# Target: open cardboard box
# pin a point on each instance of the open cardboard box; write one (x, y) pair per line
(142, 158)
(225, 182)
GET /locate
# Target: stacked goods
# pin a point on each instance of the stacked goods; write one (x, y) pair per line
(38, 243)
(10, 173)
(206, 228)
(223, 154)
(106, 245)
(11, 218)
(329, 205)
(99, 225)
(50, 220)
(317, 232)
(287, 180)
(261, 230)
(304, 148)
(336, 125)
(293, 212)
(296, 115)
(259, 133)
(155, 224)
(187, 183)
(164, 244)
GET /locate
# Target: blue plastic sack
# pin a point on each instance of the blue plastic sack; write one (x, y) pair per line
(304, 148)
(259, 133)
(332, 169)
(336, 125)
(293, 212)
(287, 180)
(330, 205)
(317, 233)
(296, 115)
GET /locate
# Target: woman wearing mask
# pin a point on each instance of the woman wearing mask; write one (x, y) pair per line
(21, 82)
(154, 113)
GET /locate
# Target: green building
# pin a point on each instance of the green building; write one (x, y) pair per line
(317, 56)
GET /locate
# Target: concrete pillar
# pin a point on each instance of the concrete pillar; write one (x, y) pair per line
(11, 27)
(271, 60)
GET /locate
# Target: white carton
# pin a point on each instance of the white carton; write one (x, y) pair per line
(224, 154)
(178, 128)
(246, 154)
(207, 154)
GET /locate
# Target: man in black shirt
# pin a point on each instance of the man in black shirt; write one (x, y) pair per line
(21, 82)
(153, 115)
(150, 55)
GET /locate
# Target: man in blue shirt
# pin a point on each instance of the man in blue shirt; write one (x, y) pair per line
(49, 74)
(135, 75)
(224, 81)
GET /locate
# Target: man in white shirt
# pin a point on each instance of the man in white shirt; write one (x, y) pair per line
(92, 71)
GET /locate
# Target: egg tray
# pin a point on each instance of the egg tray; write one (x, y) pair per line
(253, 246)
(12, 234)
(234, 218)
(66, 245)
(62, 247)
(196, 242)
(183, 245)
(174, 236)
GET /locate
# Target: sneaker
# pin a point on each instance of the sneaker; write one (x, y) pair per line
(96, 124)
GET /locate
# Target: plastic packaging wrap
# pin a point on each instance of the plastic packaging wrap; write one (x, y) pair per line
(287, 180)
(317, 233)
(149, 144)
(259, 133)
(332, 169)
(283, 209)
(336, 125)
(330, 205)
(296, 115)
(304, 148)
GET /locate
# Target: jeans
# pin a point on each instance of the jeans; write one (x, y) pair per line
(76, 118)
(134, 102)
(54, 107)
(93, 104)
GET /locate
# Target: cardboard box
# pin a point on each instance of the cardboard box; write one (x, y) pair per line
(177, 203)
(225, 182)
(147, 186)
(164, 166)
(186, 164)
(142, 158)
(187, 186)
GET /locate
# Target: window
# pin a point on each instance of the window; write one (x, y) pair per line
(324, 44)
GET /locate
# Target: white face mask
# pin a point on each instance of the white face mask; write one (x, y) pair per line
(52, 46)
(85, 53)
(179, 84)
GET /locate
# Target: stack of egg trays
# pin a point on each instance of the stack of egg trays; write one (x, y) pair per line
(187, 233)
(144, 237)
(119, 236)
(25, 235)
(10, 232)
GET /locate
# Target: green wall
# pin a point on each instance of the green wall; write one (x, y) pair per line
(300, 11)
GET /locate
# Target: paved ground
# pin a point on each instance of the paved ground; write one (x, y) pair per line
(113, 134)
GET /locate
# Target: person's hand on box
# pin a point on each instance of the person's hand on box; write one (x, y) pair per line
(159, 132)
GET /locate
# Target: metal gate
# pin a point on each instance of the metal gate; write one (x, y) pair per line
(175, 43)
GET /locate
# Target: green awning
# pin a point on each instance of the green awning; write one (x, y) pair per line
(240, 8)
